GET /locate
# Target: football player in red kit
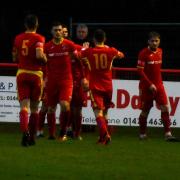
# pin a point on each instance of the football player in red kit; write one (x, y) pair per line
(59, 79)
(151, 85)
(28, 52)
(44, 107)
(99, 60)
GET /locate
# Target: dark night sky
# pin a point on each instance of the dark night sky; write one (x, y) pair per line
(12, 16)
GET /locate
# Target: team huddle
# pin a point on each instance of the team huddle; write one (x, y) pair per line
(65, 72)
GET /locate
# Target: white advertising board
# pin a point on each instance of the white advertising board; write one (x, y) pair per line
(125, 98)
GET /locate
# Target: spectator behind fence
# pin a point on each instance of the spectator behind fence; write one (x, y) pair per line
(81, 34)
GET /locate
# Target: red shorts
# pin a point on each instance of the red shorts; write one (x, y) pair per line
(29, 86)
(79, 97)
(147, 97)
(101, 100)
(58, 91)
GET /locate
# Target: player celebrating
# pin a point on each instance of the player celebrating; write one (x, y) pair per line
(28, 52)
(79, 95)
(44, 107)
(59, 79)
(99, 60)
(151, 85)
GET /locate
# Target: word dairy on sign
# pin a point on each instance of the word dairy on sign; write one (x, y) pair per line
(124, 99)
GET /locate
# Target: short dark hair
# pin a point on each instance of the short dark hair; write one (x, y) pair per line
(99, 35)
(64, 26)
(56, 23)
(31, 21)
(153, 34)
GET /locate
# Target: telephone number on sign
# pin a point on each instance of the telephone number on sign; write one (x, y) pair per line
(8, 98)
(151, 122)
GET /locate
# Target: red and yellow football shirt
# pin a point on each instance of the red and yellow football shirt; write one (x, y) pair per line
(25, 45)
(99, 61)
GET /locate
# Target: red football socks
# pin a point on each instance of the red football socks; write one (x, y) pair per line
(33, 120)
(51, 119)
(64, 119)
(42, 116)
(23, 115)
(101, 122)
(142, 124)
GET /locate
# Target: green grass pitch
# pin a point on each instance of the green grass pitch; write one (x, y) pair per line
(125, 158)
